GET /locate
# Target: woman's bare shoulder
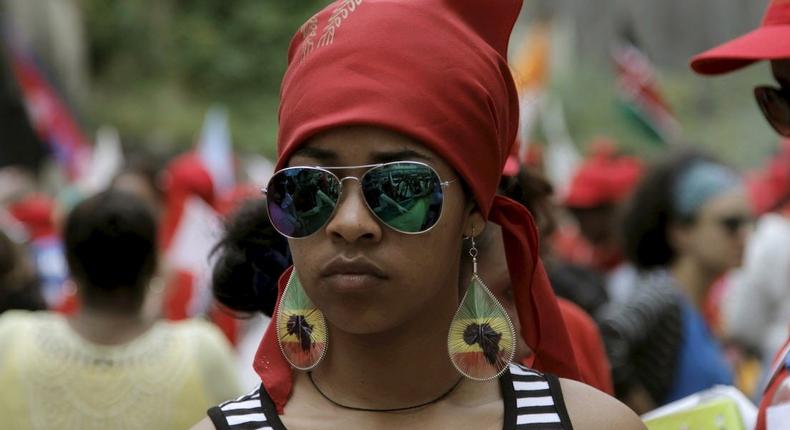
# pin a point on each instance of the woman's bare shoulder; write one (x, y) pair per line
(589, 408)
(204, 424)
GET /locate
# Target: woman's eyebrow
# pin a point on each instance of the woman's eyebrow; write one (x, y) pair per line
(399, 155)
(319, 154)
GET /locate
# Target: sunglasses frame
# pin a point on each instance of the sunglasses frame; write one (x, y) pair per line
(760, 94)
(359, 179)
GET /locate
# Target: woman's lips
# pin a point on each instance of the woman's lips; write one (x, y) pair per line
(349, 275)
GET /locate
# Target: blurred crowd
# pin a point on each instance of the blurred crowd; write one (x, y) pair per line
(673, 276)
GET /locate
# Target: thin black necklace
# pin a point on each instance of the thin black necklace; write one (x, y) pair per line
(406, 408)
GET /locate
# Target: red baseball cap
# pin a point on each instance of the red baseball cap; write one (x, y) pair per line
(770, 41)
(604, 178)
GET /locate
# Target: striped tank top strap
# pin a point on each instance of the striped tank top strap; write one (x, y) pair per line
(537, 402)
(245, 413)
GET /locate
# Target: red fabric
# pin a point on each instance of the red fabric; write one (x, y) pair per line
(434, 70)
(184, 177)
(770, 41)
(35, 212)
(178, 295)
(770, 390)
(227, 323)
(233, 198)
(603, 179)
(69, 306)
(48, 113)
(569, 244)
(769, 187)
(542, 325)
(587, 347)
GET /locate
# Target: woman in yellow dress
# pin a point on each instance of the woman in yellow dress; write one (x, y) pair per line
(110, 366)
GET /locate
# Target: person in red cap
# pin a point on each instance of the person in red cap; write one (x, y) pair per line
(771, 42)
(767, 42)
(600, 184)
(395, 121)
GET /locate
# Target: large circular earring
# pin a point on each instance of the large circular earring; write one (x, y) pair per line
(301, 327)
(481, 342)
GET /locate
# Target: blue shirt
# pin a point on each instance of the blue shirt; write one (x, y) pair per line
(701, 362)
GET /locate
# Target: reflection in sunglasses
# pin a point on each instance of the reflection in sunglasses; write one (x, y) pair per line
(405, 195)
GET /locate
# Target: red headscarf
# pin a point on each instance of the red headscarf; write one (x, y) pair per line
(434, 70)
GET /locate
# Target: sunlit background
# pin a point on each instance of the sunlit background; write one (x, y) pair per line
(151, 69)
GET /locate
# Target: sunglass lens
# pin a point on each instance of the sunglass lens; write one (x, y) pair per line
(301, 200)
(775, 105)
(405, 196)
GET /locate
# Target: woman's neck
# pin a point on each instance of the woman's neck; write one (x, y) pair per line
(406, 366)
(693, 280)
(109, 327)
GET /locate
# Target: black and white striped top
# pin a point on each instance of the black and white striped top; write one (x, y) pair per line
(533, 401)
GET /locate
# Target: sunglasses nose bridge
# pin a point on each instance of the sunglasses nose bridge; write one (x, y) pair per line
(344, 178)
(342, 182)
(352, 218)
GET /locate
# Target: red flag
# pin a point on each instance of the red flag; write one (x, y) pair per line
(638, 89)
(49, 115)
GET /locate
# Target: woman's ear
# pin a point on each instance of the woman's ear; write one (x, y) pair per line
(475, 223)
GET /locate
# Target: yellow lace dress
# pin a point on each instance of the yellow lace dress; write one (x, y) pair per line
(50, 378)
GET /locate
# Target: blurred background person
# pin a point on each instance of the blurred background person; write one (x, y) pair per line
(755, 300)
(140, 176)
(586, 263)
(600, 184)
(684, 227)
(109, 365)
(765, 280)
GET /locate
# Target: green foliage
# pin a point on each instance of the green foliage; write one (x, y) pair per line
(156, 65)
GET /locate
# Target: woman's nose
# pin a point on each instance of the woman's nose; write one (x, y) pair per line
(352, 220)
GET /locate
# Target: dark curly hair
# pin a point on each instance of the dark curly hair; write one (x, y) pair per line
(533, 191)
(647, 215)
(251, 258)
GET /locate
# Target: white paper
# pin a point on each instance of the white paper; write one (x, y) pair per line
(778, 417)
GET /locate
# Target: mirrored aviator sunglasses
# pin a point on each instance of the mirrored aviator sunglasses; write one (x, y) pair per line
(407, 196)
(775, 104)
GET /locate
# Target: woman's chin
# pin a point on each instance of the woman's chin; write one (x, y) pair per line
(355, 320)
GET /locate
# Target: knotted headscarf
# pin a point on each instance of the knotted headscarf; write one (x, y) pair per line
(436, 71)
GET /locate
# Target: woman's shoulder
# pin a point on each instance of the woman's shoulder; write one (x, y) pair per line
(17, 317)
(18, 323)
(589, 408)
(204, 424)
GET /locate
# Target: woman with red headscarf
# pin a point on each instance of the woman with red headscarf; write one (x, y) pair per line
(396, 119)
